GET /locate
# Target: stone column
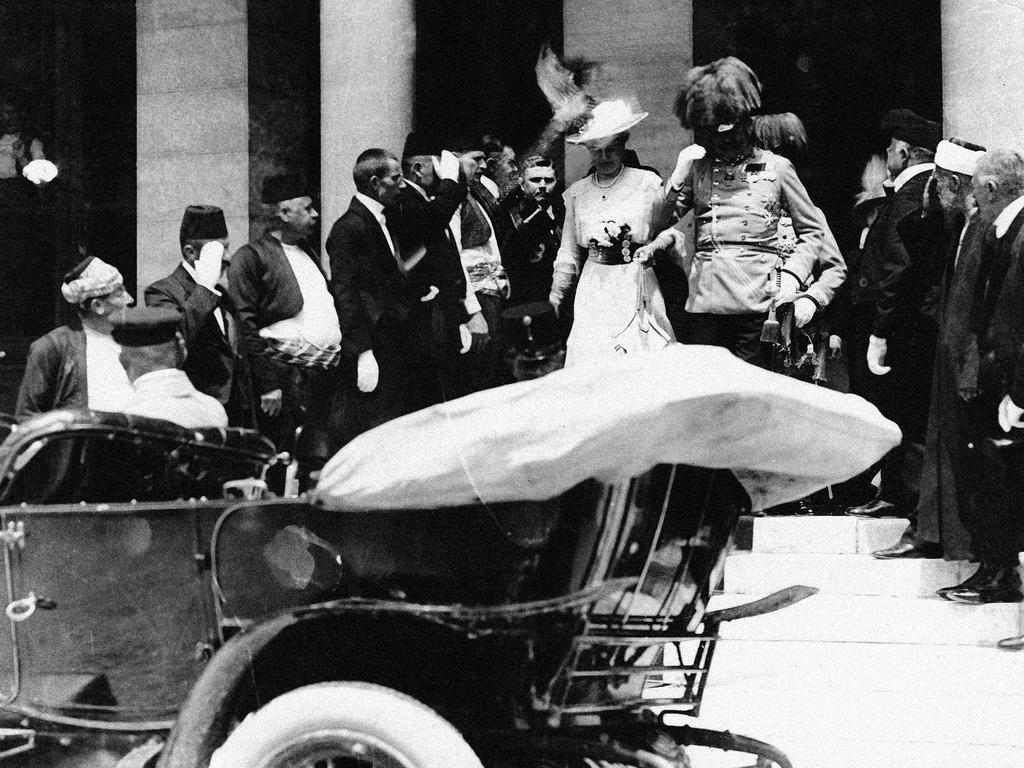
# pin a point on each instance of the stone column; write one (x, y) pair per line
(193, 122)
(644, 48)
(367, 55)
(982, 89)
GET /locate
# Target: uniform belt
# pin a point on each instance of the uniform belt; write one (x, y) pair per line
(607, 254)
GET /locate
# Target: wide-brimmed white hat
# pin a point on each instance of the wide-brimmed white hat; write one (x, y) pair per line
(607, 119)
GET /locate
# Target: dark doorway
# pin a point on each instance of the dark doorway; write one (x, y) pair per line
(839, 65)
(475, 67)
(68, 67)
(284, 95)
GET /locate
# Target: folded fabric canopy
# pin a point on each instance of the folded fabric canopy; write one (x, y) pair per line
(610, 421)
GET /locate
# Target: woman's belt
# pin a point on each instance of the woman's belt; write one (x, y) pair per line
(612, 254)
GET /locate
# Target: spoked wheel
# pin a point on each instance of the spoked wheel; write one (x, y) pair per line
(345, 725)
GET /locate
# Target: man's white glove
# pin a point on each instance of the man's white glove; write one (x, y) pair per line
(208, 265)
(448, 166)
(271, 402)
(1010, 414)
(803, 311)
(876, 356)
(367, 372)
(684, 163)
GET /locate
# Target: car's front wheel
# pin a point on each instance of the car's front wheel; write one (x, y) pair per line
(345, 724)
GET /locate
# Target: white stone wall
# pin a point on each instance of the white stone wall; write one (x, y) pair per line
(193, 126)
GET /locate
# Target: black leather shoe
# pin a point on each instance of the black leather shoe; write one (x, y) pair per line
(1001, 586)
(978, 577)
(1011, 643)
(876, 508)
(906, 549)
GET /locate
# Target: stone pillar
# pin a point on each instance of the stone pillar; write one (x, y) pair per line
(367, 55)
(193, 122)
(982, 90)
(643, 47)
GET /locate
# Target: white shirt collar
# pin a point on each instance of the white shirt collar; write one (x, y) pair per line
(376, 208)
(910, 173)
(1007, 215)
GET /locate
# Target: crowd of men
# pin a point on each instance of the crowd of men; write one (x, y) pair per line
(406, 310)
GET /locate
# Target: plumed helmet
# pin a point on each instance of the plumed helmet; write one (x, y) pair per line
(720, 93)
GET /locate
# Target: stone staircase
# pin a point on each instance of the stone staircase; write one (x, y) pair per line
(875, 671)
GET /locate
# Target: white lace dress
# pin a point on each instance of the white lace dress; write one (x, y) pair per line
(604, 312)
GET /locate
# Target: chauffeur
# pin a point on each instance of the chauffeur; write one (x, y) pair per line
(152, 353)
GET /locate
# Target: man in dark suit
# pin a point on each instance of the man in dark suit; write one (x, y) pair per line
(384, 300)
(947, 223)
(887, 320)
(995, 434)
(215, 364)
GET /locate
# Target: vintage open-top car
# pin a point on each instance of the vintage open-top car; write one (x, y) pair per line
(516, 578)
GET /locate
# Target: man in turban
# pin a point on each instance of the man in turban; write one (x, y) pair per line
(76, 365)
(215, 362)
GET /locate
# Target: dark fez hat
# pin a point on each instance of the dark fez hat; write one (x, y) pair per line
(145, 326)
(203, 222)
(286, 186)
(418, 144)
(905, 125)
(530, 326)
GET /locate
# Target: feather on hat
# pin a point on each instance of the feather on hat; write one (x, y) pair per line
(719, 93)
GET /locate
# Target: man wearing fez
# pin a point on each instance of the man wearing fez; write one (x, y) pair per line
(152, 353)
(426, 203)
(949, 233)
(215, 362)
(537, 216)
(894, 317)
(76, 365)
(280, 293)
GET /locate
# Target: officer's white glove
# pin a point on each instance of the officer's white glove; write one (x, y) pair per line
(876, 356)
(803, 311)
(208, 265)
(1010, 414)
(367, 372)
(684, 163)
(448, 166)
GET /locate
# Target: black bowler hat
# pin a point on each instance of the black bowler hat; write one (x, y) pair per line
(531, 326)
(418, 144)
(144, 326)
(203, 222)
(286, 186)
(917, 131)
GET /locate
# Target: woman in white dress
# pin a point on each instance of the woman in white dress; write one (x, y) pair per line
(608, 215)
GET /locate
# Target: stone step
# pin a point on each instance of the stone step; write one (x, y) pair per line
(822, 535)
(755, 573)
(881, 619)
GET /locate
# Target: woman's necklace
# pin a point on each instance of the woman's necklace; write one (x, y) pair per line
(609, 184)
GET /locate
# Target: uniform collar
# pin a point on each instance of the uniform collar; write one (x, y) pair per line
(1007, 215)
(909, 173)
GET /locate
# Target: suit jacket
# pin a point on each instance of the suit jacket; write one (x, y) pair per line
(885, 256)
(371, 293)
(998, 312)
(55, 375)
(264, 290)
(528, 253)
(216, 364)
(421, 223)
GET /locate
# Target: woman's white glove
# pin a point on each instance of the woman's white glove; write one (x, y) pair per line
(367, 372)
(684, 163)
(209, 263)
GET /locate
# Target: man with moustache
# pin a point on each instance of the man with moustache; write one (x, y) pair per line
(945, 230)
(994, 436)
(215, 361)
(537, 216)
(289, 324)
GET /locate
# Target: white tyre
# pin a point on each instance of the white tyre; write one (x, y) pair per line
(346, 723)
